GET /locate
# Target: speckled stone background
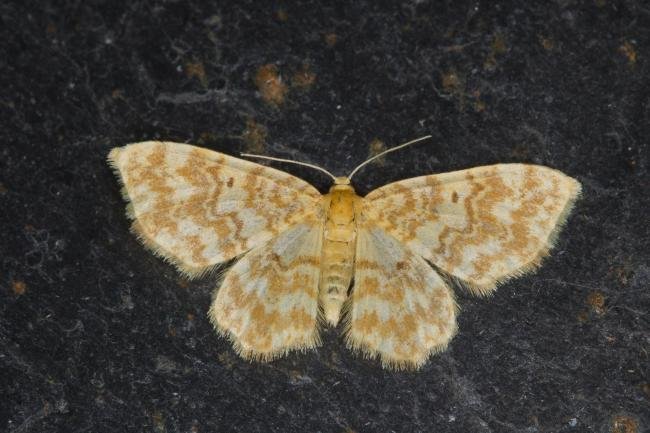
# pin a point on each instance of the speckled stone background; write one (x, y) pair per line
(98, 335)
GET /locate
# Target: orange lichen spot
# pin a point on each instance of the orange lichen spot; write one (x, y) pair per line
(270, 84)
(190, 317)
(583, 316)
(596, 301)
(547, 43)
(254, 136)
(645, 387)
(226, 359)
(207, 137)
(50, 29)
(3, 188)
(375, 147)
(451, 82)
(454, 84)
(331, 39)
(196, 70)
(18, 287)
(628, 50)
(281, 15)
(303, 78)
(624, 424)
(117, 94)
(499, 44)
(479, 104)
(497, 47)
(520, 151)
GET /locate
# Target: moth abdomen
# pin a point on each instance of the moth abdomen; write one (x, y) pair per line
(336, 276)
(339, 244)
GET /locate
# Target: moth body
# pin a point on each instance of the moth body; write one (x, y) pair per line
(339, 243)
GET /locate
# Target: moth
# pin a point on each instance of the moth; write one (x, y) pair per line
(306, 260)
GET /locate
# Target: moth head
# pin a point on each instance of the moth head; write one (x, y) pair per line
(342, 180)
(342, 183)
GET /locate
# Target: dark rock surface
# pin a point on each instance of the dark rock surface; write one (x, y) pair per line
(97, 334)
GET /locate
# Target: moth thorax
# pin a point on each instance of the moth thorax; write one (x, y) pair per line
(342, 189)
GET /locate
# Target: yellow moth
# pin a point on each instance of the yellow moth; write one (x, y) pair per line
(306, 259)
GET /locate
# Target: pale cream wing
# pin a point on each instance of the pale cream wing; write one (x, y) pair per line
(196, 207)
(481, 225)
(268, 301)
(400, 310)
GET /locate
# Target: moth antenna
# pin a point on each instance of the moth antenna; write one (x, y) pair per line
(251, 155)
(392, 149)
